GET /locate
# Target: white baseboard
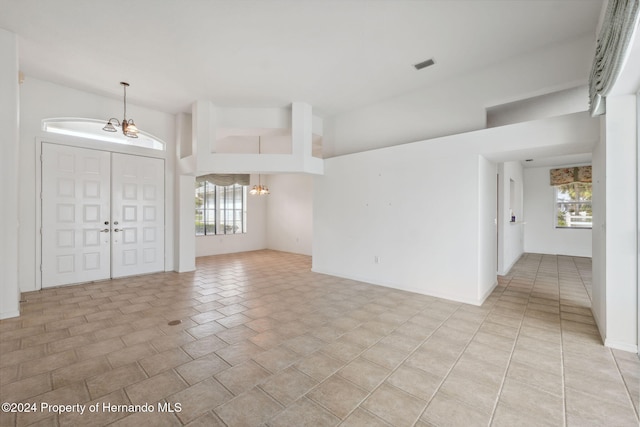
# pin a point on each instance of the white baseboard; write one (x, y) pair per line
(484, 297)
(506, 270)
(457, 298)
(9, 314)
(631, 348)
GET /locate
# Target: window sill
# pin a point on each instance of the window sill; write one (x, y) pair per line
(573, 228)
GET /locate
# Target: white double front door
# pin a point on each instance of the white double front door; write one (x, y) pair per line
(102, 215)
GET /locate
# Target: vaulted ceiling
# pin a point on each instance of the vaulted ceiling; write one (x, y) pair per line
(334, 55)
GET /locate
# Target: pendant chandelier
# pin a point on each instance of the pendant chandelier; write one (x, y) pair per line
(128, 126)
(259, 190)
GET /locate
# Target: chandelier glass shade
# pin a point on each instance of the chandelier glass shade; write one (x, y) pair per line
(259, 190)
(129, 128)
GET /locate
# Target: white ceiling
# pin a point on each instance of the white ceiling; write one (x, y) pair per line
(558, 160)
(335, 55)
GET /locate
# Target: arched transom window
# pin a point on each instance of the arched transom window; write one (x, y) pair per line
(92, 129)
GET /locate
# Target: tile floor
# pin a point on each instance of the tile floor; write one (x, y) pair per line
(264, 341)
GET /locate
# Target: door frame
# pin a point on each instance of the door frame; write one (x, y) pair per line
(638, 222)
(91, 144)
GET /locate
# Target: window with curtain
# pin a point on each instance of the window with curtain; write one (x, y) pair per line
(572, 192)
(220, 209)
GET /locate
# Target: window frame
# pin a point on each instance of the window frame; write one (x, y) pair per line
(92, 129)
(557, 202)
(231, 198)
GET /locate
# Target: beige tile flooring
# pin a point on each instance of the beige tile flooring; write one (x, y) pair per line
(264, 341)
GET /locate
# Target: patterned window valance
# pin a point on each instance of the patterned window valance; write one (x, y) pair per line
(568, 175)
(225, 179)
(612, 49)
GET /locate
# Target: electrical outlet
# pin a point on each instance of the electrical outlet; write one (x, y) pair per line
(376, 259)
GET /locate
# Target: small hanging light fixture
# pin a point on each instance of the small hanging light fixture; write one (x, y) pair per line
(259, 190)
(128, 126)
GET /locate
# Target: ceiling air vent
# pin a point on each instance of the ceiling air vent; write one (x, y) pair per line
(424, 64)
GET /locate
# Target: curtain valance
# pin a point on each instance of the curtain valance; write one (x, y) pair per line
(568, 175)
(612, 49)
(225, 179)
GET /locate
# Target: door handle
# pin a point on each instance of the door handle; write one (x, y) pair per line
(106, 230)
(117, 229)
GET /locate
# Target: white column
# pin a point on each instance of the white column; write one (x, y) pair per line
(204, 128)
(186, 241)
(9, 116)
(621, 224)
(301, 130)
(186, 158)
(185, 141)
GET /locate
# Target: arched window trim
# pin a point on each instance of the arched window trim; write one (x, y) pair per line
(92, 129)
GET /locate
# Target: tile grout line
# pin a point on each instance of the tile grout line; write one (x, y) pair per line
(369, 393)
(411, 343)
(562, 373)
(444, 378)
(448, 371)
(452, 366)
(626, 387)
(307, 375)
(586, 291)
(513, 347)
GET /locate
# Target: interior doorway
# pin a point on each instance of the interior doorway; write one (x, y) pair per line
(102, 215)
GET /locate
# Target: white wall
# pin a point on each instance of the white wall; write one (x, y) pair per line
(554, 104)
(616, 193)
(208, 121)
(254, 239)
(404, 217)
(290, 213)
(419, 207)
(40, 100)
(185, 232)
(281, 221)
(458, 104)
(9, 175)
(510, 234)
(599, 233)
(540, 234)
(620, 287)
(487, 244)
(212, 126)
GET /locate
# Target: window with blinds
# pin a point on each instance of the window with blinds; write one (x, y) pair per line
(220, 209)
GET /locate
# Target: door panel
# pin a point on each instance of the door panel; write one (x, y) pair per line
(137, 215)
(75, 208)
(102, 215)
